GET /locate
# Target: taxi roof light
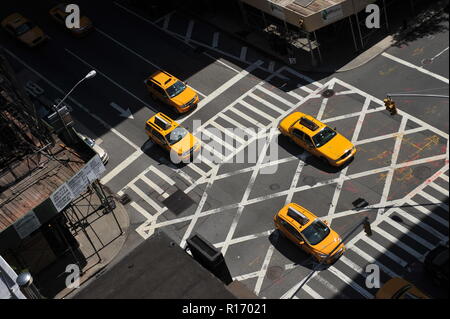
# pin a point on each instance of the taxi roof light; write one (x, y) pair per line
(162, 123)
(297, 216)
(309, 124)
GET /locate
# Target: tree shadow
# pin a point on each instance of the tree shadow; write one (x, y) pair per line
(427, 24)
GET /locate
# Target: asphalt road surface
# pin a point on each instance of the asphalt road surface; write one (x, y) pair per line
(229, 195)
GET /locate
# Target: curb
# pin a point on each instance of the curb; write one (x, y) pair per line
(360, 60)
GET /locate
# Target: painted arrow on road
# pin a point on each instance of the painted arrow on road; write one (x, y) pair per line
(124, 113)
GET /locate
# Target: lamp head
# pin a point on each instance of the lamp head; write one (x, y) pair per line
(90, 75)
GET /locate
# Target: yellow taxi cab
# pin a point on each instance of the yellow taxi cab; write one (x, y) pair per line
(23, 30)
(171, 136)
(317, 138)
(310, 233)
(171, 91)
(59, 14)
(398, 288)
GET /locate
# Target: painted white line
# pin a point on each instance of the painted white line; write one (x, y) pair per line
(163, 17)
(127, 48)
(263, 271)
(275, 96)
(437, 55)
(345, 92)
(215, 42)
(145, 197)
(310, 292)
(266, 103)
(434, 200)
(235, 123)
(199, 209)
(96, 117)
(189, 30)
(439, 188)
(387, 136)
(153, 185)
(262, 155)
(301, 164)
(306, 89)
(408, 233)
(227, 132)
(372, 260)
(394, 157)
(246, 276)
(243, 53)
(163, 176)
(350, 282)
(213, 151)
(196, 169)
(290, 293)
(141, 210)
(205, 159)
(215, 138)
(244, 116)
(297, 96)
(420, 223)
(111, 80)
(420, 69)
(256, 111)
(384, 251)
(356, 268)
(304, 77)
(444, 177)
(397, 242)
(323, 105)
(166, 21)
(119, 168)
(244, 238)
(225, 87)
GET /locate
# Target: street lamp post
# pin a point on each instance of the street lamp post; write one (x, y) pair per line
(90, 75)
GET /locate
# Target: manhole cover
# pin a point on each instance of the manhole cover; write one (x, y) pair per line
(328, 93)
(421, 172)
(360, 203)
(274, 186)
(274, 272)
(427, 61)
(309, 180)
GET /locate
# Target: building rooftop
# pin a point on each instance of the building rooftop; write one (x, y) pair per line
(157, 269)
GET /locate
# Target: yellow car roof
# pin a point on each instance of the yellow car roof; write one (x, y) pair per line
(162, 123)
(15, 20)
(163, 78)
(308, 124)
(297, 215)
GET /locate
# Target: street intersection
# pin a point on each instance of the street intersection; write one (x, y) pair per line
(398, 179)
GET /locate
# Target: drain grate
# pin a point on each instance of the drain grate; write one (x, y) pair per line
(328, 93)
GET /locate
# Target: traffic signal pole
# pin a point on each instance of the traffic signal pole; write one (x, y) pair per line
(392, 108)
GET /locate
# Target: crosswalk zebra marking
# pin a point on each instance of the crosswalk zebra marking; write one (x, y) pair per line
(439, 188)
(257, 111)
(409, 233)
(428, 212)
(155, 186)
(420, 223)
(384, 251)
(227, 132)
(145, 197)
(275, 96)
(434, 200)
(397, 242)
(266, 103)
(372, 260)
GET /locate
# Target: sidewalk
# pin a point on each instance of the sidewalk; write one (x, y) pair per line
(106, 241)
(338, 53)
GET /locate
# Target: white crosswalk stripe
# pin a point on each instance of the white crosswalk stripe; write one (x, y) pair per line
(397, 242)
(153, 185)
(439, 188)
(215, 138)
(350, 282)
(255, 110)
(419, 223)
(408, 233)
(266, 103)
(384, 251)
(243, 115)
(227, 131)
(372, 260)
(275, 96)
(145, 197)
(444, 177)
(427, 212)
(434, 200)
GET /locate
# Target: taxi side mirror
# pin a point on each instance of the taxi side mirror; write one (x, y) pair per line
(335, 129)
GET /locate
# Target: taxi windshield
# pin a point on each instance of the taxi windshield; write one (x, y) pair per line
(324, 136)
(316, 232)
(176, 135)
(24, 28)
(175, 89)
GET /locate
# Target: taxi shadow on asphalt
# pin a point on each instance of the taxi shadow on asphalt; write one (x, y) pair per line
(160, 155)
(290, 251)
(287, 144)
